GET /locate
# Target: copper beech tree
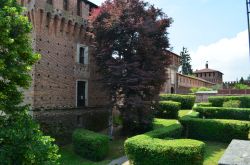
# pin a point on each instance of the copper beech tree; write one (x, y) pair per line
(131, 42)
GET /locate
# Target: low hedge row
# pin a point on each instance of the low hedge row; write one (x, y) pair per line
(167, 109)
(157, 147)
(90, 145)
(216, 129)
(204, 105)
(217, 101)
(187, 101)
(224, 113)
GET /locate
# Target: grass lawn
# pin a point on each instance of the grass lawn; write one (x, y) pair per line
(70, 158)
(213, 153)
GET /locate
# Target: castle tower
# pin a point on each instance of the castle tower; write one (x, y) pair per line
(65, 76)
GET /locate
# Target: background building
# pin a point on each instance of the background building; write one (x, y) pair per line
(211, 75)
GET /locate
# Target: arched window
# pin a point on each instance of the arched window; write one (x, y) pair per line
(65, 4)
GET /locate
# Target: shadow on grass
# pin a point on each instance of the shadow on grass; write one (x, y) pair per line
(68, 157)
(213, 152)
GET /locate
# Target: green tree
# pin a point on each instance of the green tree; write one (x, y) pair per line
(248, 78)
(186, 67)
(241, 80)
(131, 41)
(21, 141)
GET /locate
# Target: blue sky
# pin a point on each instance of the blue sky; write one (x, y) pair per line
(212, 30)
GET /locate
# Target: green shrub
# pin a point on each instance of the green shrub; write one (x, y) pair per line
(217, 101)
(203, 104)
(165, 128)
(216, 129)
(167, 109)
(224, 113)
(241, 86)
(197, 89)
(232, 104)
(90, 145)
(187, 101)
(157, 147)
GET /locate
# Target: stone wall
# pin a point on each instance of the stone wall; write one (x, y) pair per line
(60, 124)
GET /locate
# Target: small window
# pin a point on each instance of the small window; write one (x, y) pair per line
(50, 2)
(78, 7)
(65, 4)
(82, 54)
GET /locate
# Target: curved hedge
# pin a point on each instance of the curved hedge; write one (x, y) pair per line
(157, 147)
(224, 113)
(187, 101)
(203, 104)
(167, 109)
(90, 145)
(216, 129)
(217, 101)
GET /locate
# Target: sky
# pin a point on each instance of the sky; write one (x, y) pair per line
(212, 30)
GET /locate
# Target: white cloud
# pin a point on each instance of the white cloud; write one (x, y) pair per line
(228, 55)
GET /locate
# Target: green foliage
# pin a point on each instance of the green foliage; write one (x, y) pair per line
(21, 142)
(224, 113)
(167, 109)
(186, 67)
(217, 87)
(217, 101)
(187, 101)
(204, 104)
(198, 89)
(232, 103)
(128, 68)
(241, 86)
(90, 145)
(216, 129)
(157, 147)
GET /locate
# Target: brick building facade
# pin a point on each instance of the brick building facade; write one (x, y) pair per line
(65, 76)
(211, 75)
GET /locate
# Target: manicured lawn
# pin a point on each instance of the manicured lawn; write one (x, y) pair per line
(214, 152)
(183, 113)
(70, 158)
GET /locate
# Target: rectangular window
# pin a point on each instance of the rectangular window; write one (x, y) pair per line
(82, 54)
(79, 7)
(65, 4)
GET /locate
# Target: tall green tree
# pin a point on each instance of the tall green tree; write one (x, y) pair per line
(21, 141)
(248, 78)
(131, 41)
(186, 67)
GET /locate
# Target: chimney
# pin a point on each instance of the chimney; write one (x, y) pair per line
(207, 65)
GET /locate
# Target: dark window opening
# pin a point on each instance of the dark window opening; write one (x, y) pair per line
(81, 55)
(50, 2)
(79, 7)
(65, 4)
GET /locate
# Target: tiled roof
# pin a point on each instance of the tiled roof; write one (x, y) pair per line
(206, 70)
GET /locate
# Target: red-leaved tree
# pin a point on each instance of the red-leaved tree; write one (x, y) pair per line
(131, 43)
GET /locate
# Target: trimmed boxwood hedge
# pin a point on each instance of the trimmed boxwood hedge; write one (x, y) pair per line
(203, 104)
(216, 129)
(90, 145)
(224, 113)
(167, 109)
(157, 147)
(217, 101)
(187, 101)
